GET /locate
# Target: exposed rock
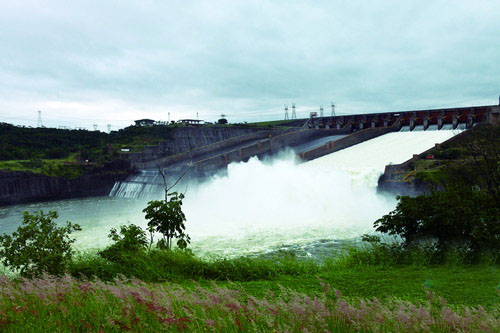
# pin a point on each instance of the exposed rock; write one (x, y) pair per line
(21, 187)
(397, 186)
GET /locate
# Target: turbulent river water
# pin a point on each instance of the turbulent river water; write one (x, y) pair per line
(262, 206)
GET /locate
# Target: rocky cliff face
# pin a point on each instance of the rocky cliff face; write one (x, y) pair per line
(183, 139)
(412, 188)
(21, 187)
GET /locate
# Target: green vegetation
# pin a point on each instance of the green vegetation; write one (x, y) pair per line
(67, 304)
(68, 167)
(24, 144)
(167, 218)
(72, 153)
(469, 159)
(38, 246)
(455, 217)
(386, 287)
(21, 143)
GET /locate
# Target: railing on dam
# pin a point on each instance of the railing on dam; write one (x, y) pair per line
(425, 118)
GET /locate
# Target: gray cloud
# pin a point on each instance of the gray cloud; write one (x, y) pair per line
(113, 61)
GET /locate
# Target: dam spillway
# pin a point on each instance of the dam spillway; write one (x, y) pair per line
(260, 205)
(366, 159)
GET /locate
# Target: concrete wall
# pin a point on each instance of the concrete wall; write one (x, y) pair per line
(184, 139)
(347, 141)
(265, 147)
(208, 149)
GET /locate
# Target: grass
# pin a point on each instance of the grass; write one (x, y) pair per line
(62, 167)
(66, 304)
(374, 288)
(460, 286)
(380, 272)
(159, 266)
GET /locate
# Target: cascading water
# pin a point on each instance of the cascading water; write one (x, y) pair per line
(258, 206)
(146, 184)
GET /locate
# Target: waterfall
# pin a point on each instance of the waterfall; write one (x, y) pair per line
(146, 184)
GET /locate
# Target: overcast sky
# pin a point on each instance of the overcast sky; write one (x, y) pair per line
(110, 62)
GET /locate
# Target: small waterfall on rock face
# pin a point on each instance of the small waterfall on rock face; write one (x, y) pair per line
(146, 184)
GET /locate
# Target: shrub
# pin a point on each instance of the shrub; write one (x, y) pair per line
(131, 239)
(456, 216)
(162, 265)
(167, 218)
(38, 245)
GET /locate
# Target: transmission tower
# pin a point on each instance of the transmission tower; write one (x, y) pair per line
(39, 124)
(294, 114)
(169, 117)
(286, 112)
(333, 109)
(109, 128)
(321, 113)
(196, 115)
(95, 127)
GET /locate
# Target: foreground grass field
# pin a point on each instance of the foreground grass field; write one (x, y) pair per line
(460, 286)
(380, 271)
(372, 289)
(66, 304)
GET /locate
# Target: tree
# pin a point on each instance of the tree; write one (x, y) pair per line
(455, 216)
(166, 217)
(38, 245)
(473, 159)
(130, 239)
(483, 146)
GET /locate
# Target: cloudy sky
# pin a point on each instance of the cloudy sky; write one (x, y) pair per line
(113, 61)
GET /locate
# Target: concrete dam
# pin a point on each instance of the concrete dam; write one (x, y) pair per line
(401, 134)
(277, 200)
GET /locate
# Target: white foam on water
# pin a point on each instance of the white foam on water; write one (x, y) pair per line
(259, 206)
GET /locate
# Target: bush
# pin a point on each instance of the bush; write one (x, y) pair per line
(454, 217)
(38, 245)
(166, 265)
(130, 240)
(167, 218)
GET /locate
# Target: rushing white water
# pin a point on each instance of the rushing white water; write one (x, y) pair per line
(146, 184)
(263, 205)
